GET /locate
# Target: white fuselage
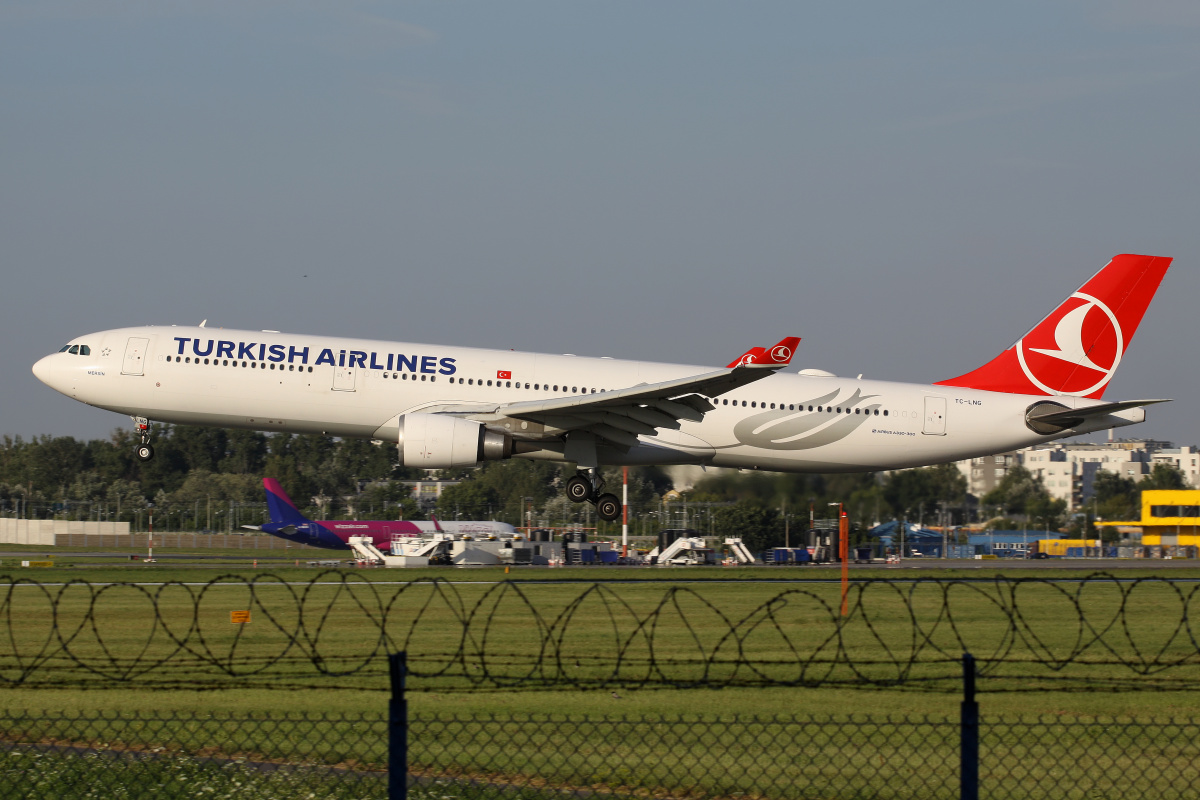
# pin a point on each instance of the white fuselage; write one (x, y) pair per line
(347, 387)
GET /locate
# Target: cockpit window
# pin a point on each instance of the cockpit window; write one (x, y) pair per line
(64, 348)
(74, 350)
(84, 350)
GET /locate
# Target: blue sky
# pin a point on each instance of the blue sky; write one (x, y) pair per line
(908, 187)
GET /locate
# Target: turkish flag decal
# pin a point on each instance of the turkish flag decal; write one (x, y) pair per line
(503, 374)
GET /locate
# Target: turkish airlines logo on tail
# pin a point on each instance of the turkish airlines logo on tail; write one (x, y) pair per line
(1074, 351)
(781, 354)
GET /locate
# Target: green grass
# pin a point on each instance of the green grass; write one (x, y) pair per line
(1127, 634)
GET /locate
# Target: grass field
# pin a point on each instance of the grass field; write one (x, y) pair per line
(494, 657)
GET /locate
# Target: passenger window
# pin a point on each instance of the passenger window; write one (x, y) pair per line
(574, 390)
(743, 404)
(772, 405)
(423, 377)
(489, 383)
(885, 412)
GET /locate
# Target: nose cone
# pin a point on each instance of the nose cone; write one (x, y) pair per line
(42, 369)
(49, 371)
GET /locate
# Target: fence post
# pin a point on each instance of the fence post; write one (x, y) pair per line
(969, 733)
(398, 729)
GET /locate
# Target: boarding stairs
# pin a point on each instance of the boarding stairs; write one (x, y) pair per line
(682, 551)
(740, 552)
(365, 550)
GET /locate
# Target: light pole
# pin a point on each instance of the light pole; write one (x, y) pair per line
(844, 552)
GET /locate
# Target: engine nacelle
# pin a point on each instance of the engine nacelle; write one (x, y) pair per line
(438, 441)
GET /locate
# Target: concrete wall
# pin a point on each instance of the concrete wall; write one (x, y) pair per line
(42, 532)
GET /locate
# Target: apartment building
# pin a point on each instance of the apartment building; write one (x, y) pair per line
(1068, 469)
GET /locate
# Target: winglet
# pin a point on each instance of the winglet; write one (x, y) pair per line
(780, 355)
(437, 526)
(280, 506)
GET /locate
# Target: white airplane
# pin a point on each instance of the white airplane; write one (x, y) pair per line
(458, 406)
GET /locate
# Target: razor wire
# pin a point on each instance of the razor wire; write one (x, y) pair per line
(336, 630)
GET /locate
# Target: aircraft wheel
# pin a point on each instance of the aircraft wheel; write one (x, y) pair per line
(143, 452)
(579, 489)
(608, 507)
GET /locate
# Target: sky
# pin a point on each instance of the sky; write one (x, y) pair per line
(908, 187)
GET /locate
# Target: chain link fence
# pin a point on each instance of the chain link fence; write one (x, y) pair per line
(147, 755)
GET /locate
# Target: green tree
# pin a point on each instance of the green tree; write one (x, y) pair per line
(926, 488)
(759, 526)
(1114, 496)
(1016, 490)
(1163, 476)
(470, 499)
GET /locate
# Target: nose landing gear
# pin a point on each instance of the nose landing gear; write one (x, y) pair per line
(143, 451)
(586, 487)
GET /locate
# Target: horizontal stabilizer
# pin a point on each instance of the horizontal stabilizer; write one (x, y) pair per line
(1050, 418)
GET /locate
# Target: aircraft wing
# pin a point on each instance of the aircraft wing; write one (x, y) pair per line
(619, 417)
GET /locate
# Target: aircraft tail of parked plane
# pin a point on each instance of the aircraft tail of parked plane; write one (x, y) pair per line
(1076, 349)
(281, 508)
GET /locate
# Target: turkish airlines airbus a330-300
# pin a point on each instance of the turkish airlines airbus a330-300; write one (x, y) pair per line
(458, 406)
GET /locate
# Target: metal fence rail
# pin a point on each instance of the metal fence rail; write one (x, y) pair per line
(148, 755)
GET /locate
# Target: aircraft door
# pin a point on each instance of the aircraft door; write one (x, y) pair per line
(343, 379)
(935, 416)
(135, 356)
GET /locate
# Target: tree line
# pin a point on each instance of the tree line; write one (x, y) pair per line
(211, 478)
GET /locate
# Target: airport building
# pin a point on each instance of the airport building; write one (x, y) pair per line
(1170, 518)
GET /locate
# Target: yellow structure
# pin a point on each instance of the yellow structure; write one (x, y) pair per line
(1067, 547)
(1169, 517)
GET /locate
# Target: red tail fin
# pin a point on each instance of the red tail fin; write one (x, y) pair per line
(1076, 349)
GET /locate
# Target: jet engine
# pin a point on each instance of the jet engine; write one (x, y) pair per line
(439, 441)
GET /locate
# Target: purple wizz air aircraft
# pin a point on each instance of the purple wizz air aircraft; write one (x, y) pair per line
(288, 523)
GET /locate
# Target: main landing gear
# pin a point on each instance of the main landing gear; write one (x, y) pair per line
(586, 487)
(143, 452)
